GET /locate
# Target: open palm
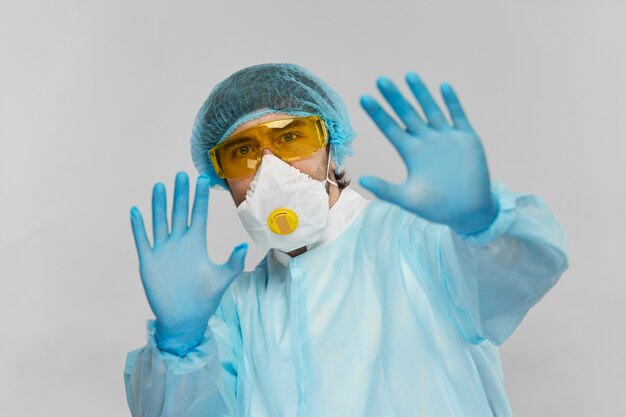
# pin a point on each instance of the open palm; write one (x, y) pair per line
(182, 284)
(448, 179)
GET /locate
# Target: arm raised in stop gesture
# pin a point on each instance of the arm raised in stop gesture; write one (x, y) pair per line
(183, 286)
(448, 179)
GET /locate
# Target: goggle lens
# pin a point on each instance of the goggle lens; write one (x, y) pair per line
(288, 139)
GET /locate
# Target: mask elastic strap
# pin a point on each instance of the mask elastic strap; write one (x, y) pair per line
(328, 180)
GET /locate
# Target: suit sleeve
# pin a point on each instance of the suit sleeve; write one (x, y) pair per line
(487, 282)
(201, 383)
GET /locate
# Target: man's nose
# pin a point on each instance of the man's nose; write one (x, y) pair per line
(266, 151)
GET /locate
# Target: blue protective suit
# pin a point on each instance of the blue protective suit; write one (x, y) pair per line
(390, 316)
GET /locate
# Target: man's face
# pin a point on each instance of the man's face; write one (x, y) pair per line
(314, 165)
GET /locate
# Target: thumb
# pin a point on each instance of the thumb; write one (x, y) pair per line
(237, 259)
(382, 189)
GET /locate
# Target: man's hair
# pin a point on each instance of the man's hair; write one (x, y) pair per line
(342, 180)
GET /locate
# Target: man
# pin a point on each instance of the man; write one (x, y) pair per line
(394, 307)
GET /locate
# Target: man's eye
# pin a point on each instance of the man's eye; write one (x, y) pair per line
(242, 151)
(288, 137)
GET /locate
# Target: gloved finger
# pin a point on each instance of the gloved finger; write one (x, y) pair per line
(393, 132)
(434, 115)
(403, 109)
(200, 206)
(383, 189)
(159, 215)
(457, 114)
(139, 232)
(180, 209)
(237, 259)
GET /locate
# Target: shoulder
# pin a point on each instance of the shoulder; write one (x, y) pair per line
(244, 280)
(246, 285)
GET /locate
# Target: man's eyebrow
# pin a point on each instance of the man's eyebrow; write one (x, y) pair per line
(236, 141)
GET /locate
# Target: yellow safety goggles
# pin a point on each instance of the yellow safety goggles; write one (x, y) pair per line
(289, 139)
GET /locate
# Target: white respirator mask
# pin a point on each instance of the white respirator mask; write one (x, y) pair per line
(284, 208)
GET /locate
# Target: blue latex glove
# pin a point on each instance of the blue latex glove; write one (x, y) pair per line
(448, 180)
(184, 287)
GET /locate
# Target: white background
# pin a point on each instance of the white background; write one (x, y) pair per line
(97, 101)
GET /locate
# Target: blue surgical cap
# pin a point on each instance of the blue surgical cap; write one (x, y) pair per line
(263, 89)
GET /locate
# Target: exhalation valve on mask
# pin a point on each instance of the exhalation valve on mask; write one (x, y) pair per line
(284, 208)
(282, 221)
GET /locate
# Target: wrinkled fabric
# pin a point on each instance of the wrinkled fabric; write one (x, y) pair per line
(394, 316)
(264, 89)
